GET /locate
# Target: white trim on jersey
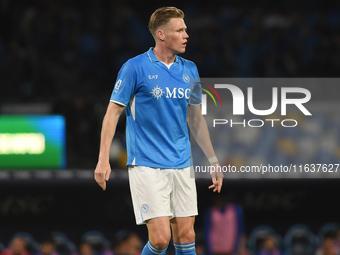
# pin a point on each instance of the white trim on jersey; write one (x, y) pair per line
(133, 107)
(149, 56)
(117, 102)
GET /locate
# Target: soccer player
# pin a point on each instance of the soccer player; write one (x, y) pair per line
(160, 104)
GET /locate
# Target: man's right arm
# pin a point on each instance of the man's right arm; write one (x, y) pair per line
(103, 168)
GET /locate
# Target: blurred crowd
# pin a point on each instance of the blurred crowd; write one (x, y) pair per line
(68, 53)
(297, 240)
(262, 240)
(124, 242)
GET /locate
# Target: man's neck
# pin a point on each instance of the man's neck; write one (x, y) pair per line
(164, 55)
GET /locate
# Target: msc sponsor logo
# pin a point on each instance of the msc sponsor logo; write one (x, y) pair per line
(157, 92)
(175, 92)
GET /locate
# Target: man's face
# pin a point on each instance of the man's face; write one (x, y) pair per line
(85, 249)
(47, 248)
(175, 35)
(18, 246)
(134, 244)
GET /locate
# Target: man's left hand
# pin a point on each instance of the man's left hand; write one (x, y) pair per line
(217, 177)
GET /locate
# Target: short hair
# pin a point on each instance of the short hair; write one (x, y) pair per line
(162, 16)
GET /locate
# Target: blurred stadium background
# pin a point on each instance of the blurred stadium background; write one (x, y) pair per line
(60, 58)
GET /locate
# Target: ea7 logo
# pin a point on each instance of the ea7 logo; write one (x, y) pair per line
(153, 77)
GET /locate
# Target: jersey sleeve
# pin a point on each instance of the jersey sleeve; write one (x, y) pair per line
(125, 86)
(195, 88)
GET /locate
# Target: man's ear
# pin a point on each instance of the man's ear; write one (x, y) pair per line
(160, 35)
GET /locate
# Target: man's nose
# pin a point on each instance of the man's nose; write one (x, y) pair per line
(186, 36)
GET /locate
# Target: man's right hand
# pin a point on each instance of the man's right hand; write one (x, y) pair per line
(102, 173)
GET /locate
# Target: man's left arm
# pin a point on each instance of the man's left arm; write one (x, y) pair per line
(199, 130)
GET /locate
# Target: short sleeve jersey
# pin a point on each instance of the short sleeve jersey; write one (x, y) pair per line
(156, 99)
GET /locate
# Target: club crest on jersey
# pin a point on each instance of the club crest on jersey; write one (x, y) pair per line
(186, 78)
(157, 92)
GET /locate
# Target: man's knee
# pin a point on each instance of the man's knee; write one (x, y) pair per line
(187, 235)
(160, 241)
(159, 232)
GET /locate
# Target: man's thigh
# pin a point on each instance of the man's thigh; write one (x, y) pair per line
(150, 192)
(183, 200)
(162, 192)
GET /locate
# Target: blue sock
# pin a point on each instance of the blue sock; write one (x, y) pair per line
(149, 249)
(185, 248)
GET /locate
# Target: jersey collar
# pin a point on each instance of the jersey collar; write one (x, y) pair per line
(153, 57)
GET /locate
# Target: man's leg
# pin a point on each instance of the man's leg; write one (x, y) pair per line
(159, 236)
(150, 191)
(183, 235)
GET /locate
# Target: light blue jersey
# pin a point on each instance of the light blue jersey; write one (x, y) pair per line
(156, 99)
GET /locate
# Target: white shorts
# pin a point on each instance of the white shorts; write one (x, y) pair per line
(160, 192)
